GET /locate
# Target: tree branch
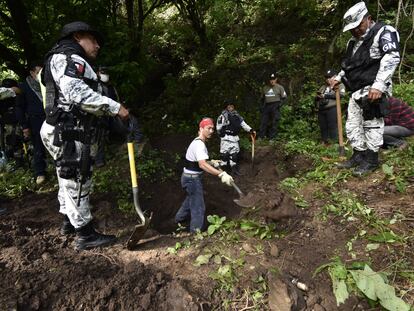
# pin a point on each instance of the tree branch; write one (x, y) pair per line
(11, 58)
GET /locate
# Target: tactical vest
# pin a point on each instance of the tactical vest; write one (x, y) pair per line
(51, 100)
(192, 165)
(234, 126)
(72, 124)
(360, 69)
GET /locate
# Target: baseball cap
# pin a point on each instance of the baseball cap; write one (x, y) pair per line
(272, 76)
(353, 17)
(330, 73)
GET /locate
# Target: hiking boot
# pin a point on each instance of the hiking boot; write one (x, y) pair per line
(355, 160)
(40, 179)
(66, 228)
(88, 238)
(369, 165)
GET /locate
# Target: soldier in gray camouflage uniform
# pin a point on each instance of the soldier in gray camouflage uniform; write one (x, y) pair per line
(72, 99)
(229, 124)
(371, 58)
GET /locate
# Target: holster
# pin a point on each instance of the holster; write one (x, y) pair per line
(69, 129)
(373, 109)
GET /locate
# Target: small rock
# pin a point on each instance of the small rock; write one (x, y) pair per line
(45, 256)
(274, 250)
(312, 300)
(145, 301)
(247, 247)
(279, 299)
(318, 307)
(159, 277)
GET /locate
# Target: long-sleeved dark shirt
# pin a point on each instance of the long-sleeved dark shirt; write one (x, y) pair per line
(400, 114)
(28, 105)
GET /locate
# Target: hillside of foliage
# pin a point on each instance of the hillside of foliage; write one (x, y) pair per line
(183, 58)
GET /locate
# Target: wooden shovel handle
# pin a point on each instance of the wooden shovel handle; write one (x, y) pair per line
(339, 122)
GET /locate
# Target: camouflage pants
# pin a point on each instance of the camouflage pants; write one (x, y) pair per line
(363, 134)
(229, 151)
(80, 215)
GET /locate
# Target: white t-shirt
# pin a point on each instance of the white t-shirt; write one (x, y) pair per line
(195, 152)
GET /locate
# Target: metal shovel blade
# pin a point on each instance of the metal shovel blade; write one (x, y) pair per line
(243, 200)
(138, 234)
(142, 227)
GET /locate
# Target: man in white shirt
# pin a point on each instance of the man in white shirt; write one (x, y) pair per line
(193, 207)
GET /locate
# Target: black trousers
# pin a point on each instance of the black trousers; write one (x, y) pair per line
(39, 151)
(328, 124)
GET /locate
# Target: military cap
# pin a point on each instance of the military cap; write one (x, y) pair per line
(79, 26)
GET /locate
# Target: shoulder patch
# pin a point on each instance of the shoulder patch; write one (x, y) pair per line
(388, 42)
(75, 68)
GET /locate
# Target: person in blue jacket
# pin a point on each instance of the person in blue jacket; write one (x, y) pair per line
(30, 115)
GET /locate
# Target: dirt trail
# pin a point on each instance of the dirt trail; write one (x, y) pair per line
(41, 271)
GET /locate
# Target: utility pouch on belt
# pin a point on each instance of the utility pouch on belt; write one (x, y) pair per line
(69, 163)
(373, 109)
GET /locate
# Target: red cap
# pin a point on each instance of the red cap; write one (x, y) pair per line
(205, 122)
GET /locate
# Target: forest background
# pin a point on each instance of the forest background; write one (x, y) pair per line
(173, 62)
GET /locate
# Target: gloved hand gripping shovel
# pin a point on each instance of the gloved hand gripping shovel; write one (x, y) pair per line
(141, 228)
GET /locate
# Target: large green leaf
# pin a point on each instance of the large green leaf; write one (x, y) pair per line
(373, 286)
(340, 291)
(202, 259)
(366, 281)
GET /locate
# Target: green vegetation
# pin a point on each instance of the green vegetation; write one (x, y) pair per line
(173, 62)
(114, 178)
(346, 205)
(360, 278)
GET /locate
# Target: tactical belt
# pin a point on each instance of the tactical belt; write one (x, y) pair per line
(192, 175)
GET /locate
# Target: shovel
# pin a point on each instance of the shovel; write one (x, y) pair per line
(141, 228)
(253, 137)
(339, 120)
(243, 200)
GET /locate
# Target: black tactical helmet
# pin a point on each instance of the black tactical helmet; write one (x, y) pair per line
(228, 101)
(330, 73)
(79, 26)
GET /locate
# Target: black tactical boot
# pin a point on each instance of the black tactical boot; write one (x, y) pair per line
(88, 238)
(355, 160)
(370, 164)
(66, 227)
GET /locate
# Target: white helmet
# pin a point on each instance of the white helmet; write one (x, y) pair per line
(353, 17)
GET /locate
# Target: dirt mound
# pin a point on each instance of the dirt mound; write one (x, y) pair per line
(41, 270)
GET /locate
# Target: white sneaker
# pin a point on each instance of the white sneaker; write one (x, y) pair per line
(40, 179)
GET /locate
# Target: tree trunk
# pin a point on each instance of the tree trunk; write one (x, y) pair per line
(22, 28)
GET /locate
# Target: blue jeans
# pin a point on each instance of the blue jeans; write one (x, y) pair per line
(193, 207)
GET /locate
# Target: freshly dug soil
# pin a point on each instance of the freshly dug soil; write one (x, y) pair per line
(40, 270)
